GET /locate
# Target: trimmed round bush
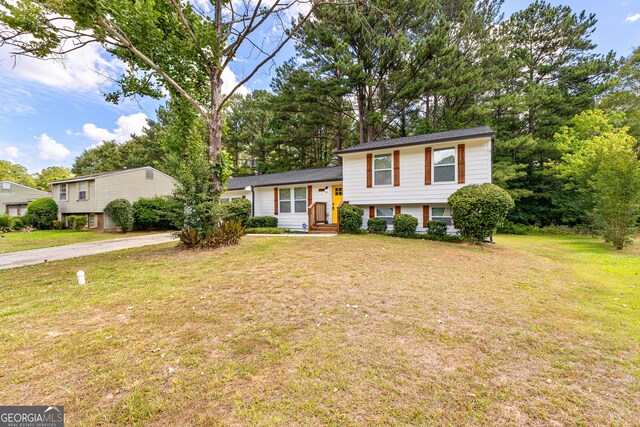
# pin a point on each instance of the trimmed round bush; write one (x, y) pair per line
(478, 210)
(262, 222)
(404, 224)
(42, 213)
(121, 212)
(436, 228)
(350, 219)
(236, 210)
(376, 225)
(155, 213)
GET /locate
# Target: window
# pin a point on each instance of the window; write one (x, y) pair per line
(63, 192)
(299, 200)
(6, 185)
(382, 169)
(386, 214)
(149, 174)
(444, 165)
(226, 200)
(92, 221)
(442, 215)
(82, 191)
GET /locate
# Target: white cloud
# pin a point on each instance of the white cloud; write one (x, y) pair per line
(633, 18)
(126, 126)
(49, 149)
(10, 152)
(229, 81)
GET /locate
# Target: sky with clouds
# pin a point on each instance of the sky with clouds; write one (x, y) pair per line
(50, 111)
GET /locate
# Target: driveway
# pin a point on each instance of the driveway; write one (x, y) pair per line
(37, 256)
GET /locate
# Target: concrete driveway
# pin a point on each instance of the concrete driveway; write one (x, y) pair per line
(37, 256)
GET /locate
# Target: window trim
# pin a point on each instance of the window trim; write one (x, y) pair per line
(434, 166)
(433, 217)
(389, 219)
(390, 169)
(95, 220)
(292, 200)
(86, 191)
(66, 192)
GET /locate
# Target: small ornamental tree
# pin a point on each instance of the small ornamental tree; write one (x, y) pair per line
(121, 212)
(42, 213)
(350, 219)
(477, 210)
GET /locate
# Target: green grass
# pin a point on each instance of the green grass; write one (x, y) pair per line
(351, 330)
(20, 241)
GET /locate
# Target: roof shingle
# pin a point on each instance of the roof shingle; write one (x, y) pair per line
(285, 178)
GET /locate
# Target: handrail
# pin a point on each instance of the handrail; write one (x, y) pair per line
(317, 212)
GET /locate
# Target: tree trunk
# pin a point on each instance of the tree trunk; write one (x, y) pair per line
(362, 116)
(215, 132)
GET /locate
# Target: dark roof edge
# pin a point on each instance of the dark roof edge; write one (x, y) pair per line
(312, 181)
(356, 149)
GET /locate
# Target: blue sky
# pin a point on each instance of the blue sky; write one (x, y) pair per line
(51, 112)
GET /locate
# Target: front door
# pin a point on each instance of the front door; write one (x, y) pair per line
(336, 200)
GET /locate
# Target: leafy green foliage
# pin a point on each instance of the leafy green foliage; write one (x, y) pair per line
(225, 233)
(404, 224)
(350, 219)
(155, 213)
(15, 173)
(426, 236)
(6, 223)
(42, 212)
(236, 210)
(77, 222)
(376, 225)
(436, 228)
(121, 212)
(229, 233)
(264, 230)
(57, 225)
(478, 210)
(52, 173)
(262, 222)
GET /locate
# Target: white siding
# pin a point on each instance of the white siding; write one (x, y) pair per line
(236, 193)
(412, 189)
(414, 210)
(292, 221)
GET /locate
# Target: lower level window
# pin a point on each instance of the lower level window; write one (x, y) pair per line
(386, 214)
(296, 198)
(226, 200)
(442, 215)
(92, 221)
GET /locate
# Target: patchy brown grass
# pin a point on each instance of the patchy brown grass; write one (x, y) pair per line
(347, 330)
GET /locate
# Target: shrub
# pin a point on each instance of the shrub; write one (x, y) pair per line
(445, 238)
(236, 210)
(404, 224)
(229, 233)
(477, 210)
(77, 222)
(155, 213)
(20, 222)
(264, 230)
(42, 213)
(121, 211)
(262, 222)
(6, 223)
(226, 233)
(57, 225)
(436, 228)
(376, 225)
(350, 219)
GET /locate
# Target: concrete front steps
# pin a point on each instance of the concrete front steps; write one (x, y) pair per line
(324, 229)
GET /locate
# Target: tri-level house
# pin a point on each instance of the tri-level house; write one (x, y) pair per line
(89, 195)
(413, 175)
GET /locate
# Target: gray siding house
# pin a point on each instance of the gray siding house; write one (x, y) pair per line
(14, 198)
(89, 195)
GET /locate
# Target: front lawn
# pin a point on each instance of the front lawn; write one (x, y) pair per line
(350, 330)
(21, 241)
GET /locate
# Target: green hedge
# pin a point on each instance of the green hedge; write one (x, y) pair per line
(77, 222)
(445, 238)
(376, 225)
(350, 219)
(404, 224)
(42, 213)
(262, 222)
(264, 230)
(121, 212)
(155, 213)
(6, 223)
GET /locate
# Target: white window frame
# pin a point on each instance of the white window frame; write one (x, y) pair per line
(444, 216)
(86, 190)
(387, 218)
(292, 200)
(455, 165)
(390, 169)
(66, 192)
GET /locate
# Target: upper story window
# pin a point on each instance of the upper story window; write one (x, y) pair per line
(444, 165)
(299, 200)
(82, 190)
(62, 193)
(382, 169)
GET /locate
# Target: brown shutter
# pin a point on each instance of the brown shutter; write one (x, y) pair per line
(275, 200)
(369, 170)
(309, 195)
(461, 163)
(425, 215)
(397, 210)
(372, 211)
(427, 166)
(396, 168)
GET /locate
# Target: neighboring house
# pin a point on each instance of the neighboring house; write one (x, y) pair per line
(413, 175)
(89, 195)
(14, 198)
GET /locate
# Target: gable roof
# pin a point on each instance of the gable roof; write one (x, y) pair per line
(23, 186)
(284, 178)
(101, 174)
(429, 138)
